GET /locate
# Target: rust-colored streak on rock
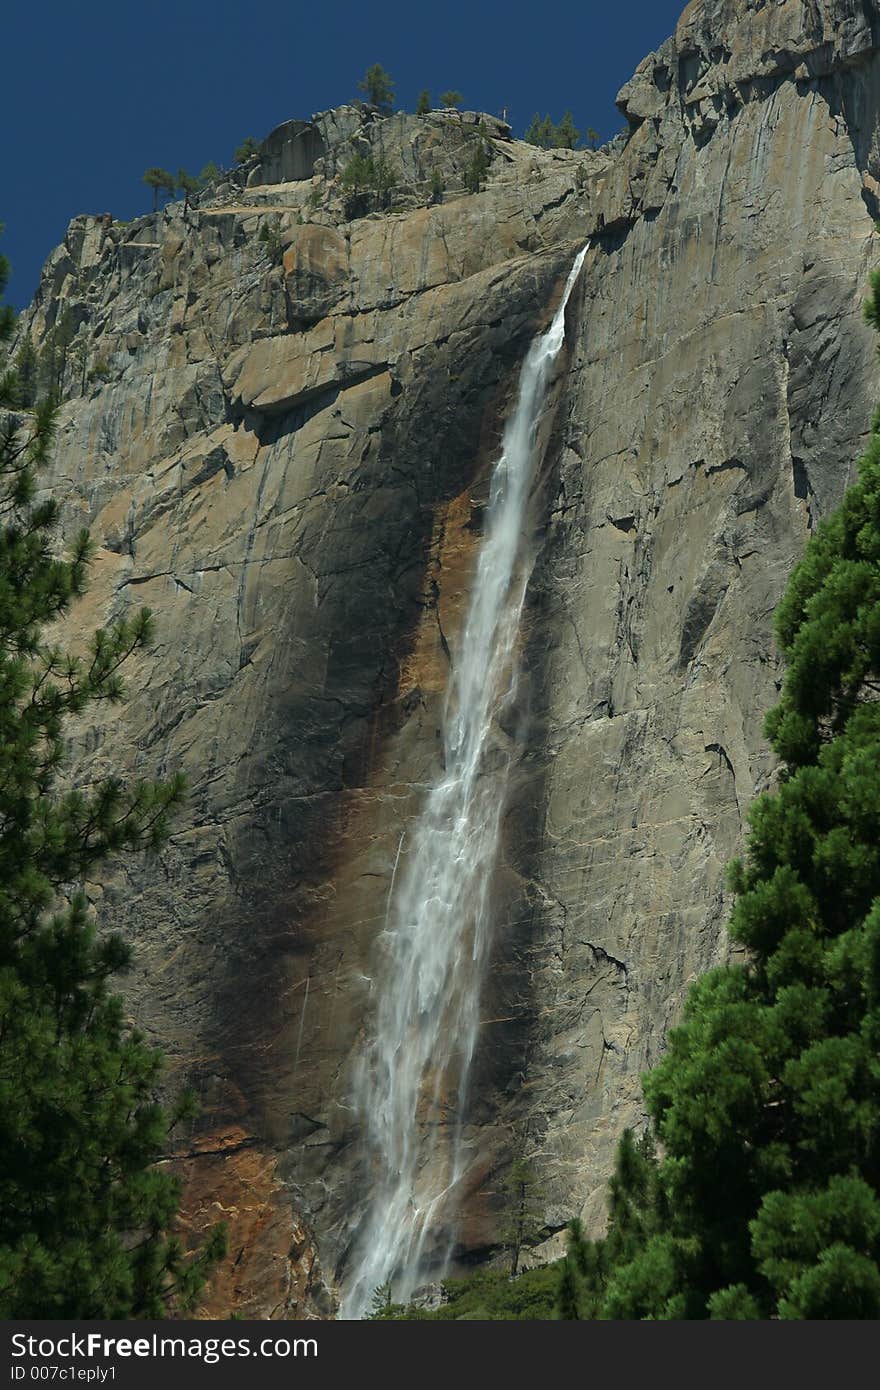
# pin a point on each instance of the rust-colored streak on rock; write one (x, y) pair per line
(272, 1268)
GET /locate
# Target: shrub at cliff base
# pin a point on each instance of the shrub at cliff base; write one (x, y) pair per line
(486, 1295)
(84, 1212)
(760, 1199)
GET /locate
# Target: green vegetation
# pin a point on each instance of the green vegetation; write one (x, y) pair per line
(592, 137)
(452, 98)
(210, 173)
(8, 384)
(523, 1209)
(540, 132)
(477, 167)
(438, 186)
(270, 235)
(493, 1294)
(381, 1304)
(367, 183)
(357, 177)
(101, 371)
(160, 181)
(763, 1200)
(384, 180)
(548, 136)
(379, 88)
(27, 367)
(54, 353)
(357, 180)
(423, 105)
(246, 150)
(485, 1295)
(754, 1194)
(566, 135)
(79, 357)
(85, 1213)
(187, 184)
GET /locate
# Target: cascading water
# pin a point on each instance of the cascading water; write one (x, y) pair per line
(411, 1085)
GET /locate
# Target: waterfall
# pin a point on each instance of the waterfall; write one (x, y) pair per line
(411, 1084)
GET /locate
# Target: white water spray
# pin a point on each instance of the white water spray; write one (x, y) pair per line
(411, 1086)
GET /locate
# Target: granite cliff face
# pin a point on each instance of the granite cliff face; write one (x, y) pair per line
(281, 447)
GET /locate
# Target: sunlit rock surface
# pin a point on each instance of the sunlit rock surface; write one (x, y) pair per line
(281, 446)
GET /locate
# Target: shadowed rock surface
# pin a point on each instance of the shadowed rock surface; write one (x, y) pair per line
(281, 447)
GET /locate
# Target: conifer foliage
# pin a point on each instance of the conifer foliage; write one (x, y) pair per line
(84, 1211)
(549, 135)
(160, 181)
(378, 86)
(766, 1200)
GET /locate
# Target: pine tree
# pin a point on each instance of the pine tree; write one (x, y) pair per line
(477, 168)
(451, 98)
(568, 1303)
(423, 106)
(566, 134)
(160, 181)
(384, 180)
(79, 356)
(358, 177)
(381, 1304)
(209, 174)
(767, 1104)
(187, 184)
(53, 356)
(27, 367)
(523, 1208)
(246, 150)
(637, 1212)
(270, 235)
(533, 130)
(84, 1211)
(379, 88)
(543, 132)
(7, 326)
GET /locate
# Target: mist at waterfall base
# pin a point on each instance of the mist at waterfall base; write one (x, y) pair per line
(411, 1083)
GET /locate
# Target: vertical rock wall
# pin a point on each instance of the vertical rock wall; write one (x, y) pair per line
(721, 388)
(281, 447)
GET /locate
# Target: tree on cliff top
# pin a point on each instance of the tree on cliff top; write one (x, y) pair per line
(767, 1104)
(210, 173)
(379, 88)
(84, 1211)
(566, 134)
(187, 184)
(536, 132)
(161, 181)
(246, 150)
(549, 135)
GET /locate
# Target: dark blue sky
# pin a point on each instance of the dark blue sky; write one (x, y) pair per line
(93, 93)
